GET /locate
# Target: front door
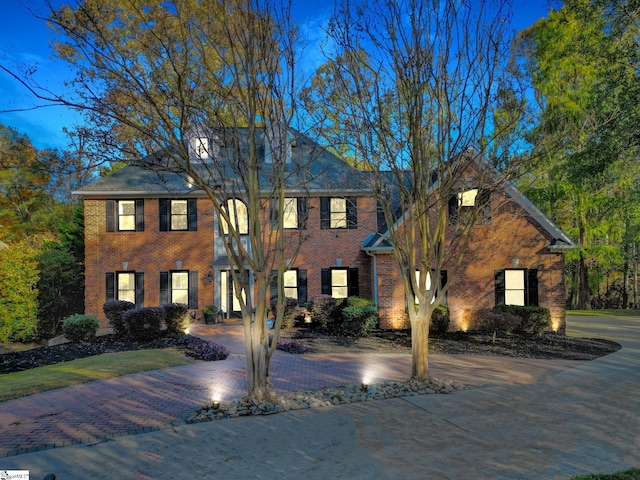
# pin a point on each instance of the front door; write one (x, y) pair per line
(229, 302)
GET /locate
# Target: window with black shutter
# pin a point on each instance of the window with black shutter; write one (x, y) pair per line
(125, 215)
(516, 287)
(338, 212)
(178, 214)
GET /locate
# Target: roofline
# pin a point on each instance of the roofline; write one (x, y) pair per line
(200, 193)
(545, 222)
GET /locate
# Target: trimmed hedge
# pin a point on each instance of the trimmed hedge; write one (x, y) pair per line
(114, 311)
(176, 316)
(359, 320)
(80, 328)
(533, 319)
(144, 323)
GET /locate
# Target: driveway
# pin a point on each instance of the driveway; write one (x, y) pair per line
(525, 419)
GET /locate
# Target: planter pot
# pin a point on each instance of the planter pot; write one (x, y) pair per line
(210, 318)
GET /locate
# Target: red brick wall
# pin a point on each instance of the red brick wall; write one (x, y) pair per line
(511, 235)
(153, 251)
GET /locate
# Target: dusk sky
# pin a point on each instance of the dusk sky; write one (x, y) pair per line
(25, 41)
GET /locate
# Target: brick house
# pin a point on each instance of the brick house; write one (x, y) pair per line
(151, 238)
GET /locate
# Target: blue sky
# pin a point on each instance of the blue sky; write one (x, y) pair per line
(25, 41)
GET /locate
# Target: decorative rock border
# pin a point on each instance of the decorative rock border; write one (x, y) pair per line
(323, 398)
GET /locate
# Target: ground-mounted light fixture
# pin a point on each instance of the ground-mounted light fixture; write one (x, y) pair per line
(215, 404)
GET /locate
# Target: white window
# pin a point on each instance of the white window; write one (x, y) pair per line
(238, 215)
(291, 284)
(180, 287)
(339, 283)
(467, 198)
(126, 215)
(179, 218)
(201, 147)
(514, 287)
(338, 213)
(428, 285)
(290, 216)
(127, 287)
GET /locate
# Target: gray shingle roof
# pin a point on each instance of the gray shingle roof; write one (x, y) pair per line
(313, 170)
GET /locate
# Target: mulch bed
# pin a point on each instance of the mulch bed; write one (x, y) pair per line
(549, 346)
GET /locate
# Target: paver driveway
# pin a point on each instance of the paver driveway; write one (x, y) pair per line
(526, 419)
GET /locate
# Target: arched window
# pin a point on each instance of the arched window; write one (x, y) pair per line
(238, 215)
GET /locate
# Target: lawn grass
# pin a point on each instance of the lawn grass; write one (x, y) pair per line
(631, 474)
(99, 367)
(605, 313)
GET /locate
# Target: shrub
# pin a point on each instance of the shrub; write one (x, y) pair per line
(114, 311)
(439, 323)
(290, 311)
(322, 309)
(80, 328)
(202, 349)
(533, 319)
(176, 316)
(358, 321)
(144, 324)
(492, 321)
(290, 346)
(358, 302)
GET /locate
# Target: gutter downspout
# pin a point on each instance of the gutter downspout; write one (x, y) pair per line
(375, 276)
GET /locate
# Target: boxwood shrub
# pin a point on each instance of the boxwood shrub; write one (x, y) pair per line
(113, 310)
(358, 321)
(533, 319)
(144, 324)
(176, 316)
(80, 328)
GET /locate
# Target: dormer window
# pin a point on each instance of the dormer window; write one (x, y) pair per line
(462, 205)
(277, 145)
(200, 147)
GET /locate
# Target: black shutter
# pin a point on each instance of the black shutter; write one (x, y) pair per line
(164, 288)
(139, 289)
(110, 280)
(532, 287)
(352, 212)
(273, 287)
(274, 215)
(453, 210)
(354, 288)
(192, 212)
(302, 287)
(325, 276)
(325, 214)
(139, 215)
(164, 221)
(500, 286)
(443, 283)
(111, 221)
(484, 203)
(302, 213)
(193, 289)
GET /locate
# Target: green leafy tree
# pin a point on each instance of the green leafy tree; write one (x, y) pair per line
(18, 293)
(583, 61)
